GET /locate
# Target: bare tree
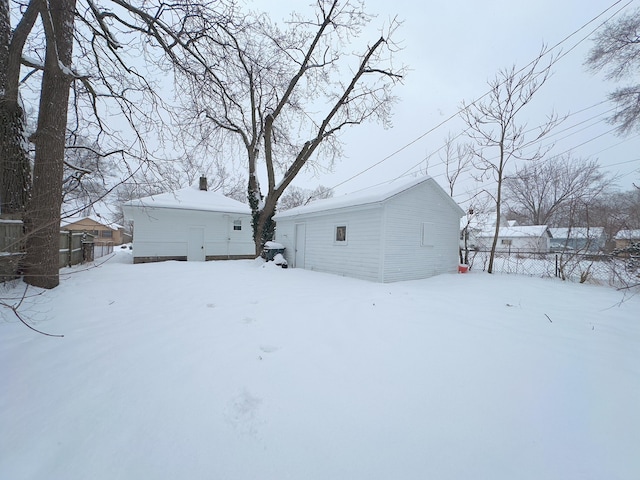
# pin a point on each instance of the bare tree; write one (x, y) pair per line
(614, 211)
(497, 135)
(296, 196)
(540, 192)
(43, 211)
(457, 159)
(283, 96)
(616, 50)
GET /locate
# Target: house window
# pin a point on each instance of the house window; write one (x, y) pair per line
(506, 242)
(237, 224)
(428, 231)
(341, 233)
(106, 234)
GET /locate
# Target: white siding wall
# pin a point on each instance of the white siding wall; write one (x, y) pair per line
(406, 258)
(384, 241)
(518, 244)
(358, 257)
(163, 232)
(285, 234)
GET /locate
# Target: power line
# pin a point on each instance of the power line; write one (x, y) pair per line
(543, 54)
(444, 161)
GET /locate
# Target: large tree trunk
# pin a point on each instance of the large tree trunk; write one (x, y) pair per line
(14, 162)
(15, 170)
(43, 214)
(262, 216)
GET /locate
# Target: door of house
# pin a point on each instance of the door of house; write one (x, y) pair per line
(195, 245)
(301, 235)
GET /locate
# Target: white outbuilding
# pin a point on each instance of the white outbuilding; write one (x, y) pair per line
(192, 224)
(516, 238)
(398, 231)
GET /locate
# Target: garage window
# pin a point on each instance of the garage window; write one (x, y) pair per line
(428, 234)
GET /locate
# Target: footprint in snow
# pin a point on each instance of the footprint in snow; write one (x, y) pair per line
(269, 348)
(243, 412)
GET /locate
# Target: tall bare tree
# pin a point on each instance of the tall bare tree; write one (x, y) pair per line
(43, 211)
(284, 95)
(457, 159)
(616, 50)
(296, 196)
(540, 192)
(498, 134)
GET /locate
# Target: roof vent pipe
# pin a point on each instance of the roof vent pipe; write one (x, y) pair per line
(203, 183)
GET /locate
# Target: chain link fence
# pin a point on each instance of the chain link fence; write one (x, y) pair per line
(599, 269)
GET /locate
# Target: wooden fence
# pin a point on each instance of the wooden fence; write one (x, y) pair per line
(75, 248)
(11, 248)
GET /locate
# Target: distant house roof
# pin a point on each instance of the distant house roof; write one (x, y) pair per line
(65, 222)
(577, 232)
(628, 235)
(192, 198)
(519, 231)
(368, 196)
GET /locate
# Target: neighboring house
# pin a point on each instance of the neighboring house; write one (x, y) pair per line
(579, 239)
(400, 231)
(624, 238)
(103, 232)
(190, 224)
(518, 238)
(477, 225)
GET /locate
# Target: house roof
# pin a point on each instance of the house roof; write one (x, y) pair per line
(368, 196)
(65, 222)
(518, 231)
(627, 235)
(577, 232)
(192, 198)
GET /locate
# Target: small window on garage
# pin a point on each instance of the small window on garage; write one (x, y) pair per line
(341, 234)
(428, 231)
(106, 234)
(237, 224)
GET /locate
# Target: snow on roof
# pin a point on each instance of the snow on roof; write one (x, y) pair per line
(577, 232)
(627, 235)
(192, 198)
(72, 220)
(371, 195)
(517, 231)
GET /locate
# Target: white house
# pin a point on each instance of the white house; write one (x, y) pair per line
(517, 238)
(190, 224)
(400, 231)
(580, 239)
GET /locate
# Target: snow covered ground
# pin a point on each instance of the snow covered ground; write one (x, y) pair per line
(242, 370)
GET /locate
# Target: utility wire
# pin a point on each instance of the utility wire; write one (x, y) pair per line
(545, 53)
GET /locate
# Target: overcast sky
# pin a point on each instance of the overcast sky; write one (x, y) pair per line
(453, 48)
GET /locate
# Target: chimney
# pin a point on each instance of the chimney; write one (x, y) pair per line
(203, 183)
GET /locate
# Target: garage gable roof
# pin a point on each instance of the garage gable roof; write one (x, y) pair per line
(372, 195)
